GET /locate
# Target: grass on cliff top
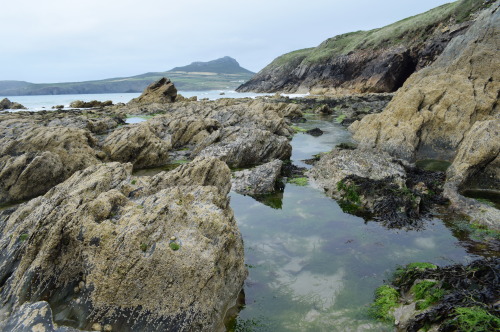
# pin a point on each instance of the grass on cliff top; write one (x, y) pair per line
(411, 29)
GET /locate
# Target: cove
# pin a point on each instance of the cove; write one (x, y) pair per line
(313, 267)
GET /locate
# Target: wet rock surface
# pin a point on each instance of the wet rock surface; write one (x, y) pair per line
(42, 149)
(375, 185)
(449, 111)
(448, 290)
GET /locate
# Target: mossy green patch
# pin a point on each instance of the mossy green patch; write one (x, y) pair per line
(299, 181)
(340, 118)
(426, 293)
(143, 247)
(174, 246)
(476, 319)
(349, 192)
(23, 237)
(421, 266)
(386, 299)
(298, 129)
(407, 31)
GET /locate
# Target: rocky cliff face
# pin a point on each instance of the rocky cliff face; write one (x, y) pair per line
(379, 60)
(430, 115)
(450, 111)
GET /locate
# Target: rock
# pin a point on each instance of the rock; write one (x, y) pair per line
(258, 180)
(476, 166)
(373, 184)
(36, 316)
(315, 132)
(161, 91)
(7, 104)
(92, 225)
(90, 104)
(240, 147)
(39, 158)
(137, 144)
(430, 115)
(323, 109)
(336, 165)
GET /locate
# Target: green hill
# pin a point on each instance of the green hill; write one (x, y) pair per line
(220, 74)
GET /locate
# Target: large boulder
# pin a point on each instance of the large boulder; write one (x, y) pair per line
(476, 166)
(431, 114)
(374, 184)
(258, 180)
(135, 255)
(7, 104)
(137, 144)
(161, 91)
(240, 147)
(40, 158)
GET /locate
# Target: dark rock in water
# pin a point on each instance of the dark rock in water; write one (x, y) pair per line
(161, 92)
(88, 104)
(315, 132)
(6, 104)
(298, 120)
(372, 184)
(292, 171)
(258, 180)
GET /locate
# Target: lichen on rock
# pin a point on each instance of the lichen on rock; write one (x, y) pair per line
(87, 233)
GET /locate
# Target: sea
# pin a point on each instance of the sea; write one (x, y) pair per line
(46, 102)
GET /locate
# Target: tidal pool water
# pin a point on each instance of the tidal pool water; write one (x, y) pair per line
(313, 267)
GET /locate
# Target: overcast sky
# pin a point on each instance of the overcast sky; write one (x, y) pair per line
(61, 40)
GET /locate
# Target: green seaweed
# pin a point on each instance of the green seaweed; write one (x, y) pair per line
(476, 319)
(349, 191)
(174, 246)
(298, 129)
(340, 118)
(302, 181)
(427, 293)
(23, 237)
(386, 299)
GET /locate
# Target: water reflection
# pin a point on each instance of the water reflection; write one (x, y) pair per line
(313, 267)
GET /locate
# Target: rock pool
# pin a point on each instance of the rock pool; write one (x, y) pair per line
(313, 267)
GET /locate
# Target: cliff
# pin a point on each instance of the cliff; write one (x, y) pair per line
(378, 60)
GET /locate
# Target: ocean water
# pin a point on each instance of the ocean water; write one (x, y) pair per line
(45, 102)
